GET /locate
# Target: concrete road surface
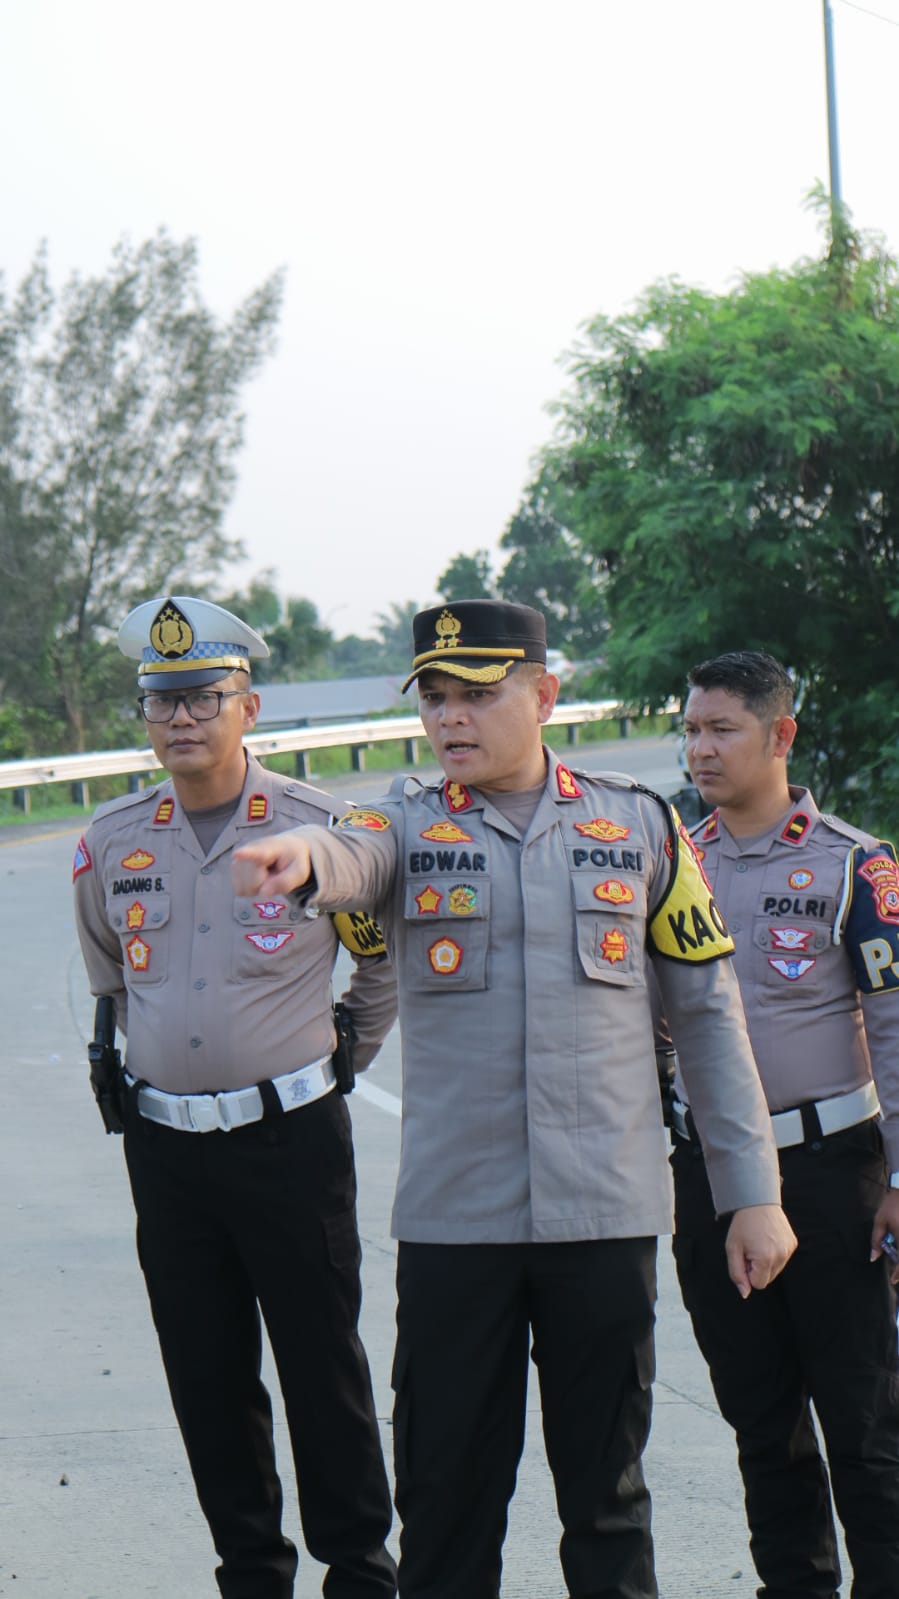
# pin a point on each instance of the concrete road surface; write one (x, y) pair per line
(96, 1501)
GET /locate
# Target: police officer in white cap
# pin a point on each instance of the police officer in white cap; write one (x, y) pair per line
(238, 1147)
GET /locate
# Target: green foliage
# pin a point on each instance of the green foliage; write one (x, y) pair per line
(120, 422)
(547, 568)
(731, 462)
(468, 577)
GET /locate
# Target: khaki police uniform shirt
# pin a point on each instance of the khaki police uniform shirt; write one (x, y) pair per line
(530, 1101)
(215, 993)
(813, 906)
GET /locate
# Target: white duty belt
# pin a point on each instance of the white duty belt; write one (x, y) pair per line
(219, 1113)
(834, 1116)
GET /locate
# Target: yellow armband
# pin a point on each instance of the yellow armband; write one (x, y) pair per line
(687, 925)
(359, 933)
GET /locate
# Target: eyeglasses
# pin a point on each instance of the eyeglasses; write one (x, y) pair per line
(202, 704)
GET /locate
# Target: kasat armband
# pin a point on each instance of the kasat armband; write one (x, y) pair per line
(359, 933)
(687, 925)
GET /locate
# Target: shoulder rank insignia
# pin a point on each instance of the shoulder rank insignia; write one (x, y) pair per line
(257, 808)
(375, 821)
(568, 786)
(82, 861)
(445, 956)
(446, 833)
(457, 796)
(138, 860)
(796, 828)
(164, 811)
(603, 829)
(709, 830)
(359, 933)
(688, 926)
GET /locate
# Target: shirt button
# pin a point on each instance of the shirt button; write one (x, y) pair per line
(742, 867)
(203, 927)
(200, 982)
(195, 1043)
(735, 927)
(205, 870)
(245, 916)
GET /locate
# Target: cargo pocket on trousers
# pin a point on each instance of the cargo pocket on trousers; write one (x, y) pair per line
(344, 1256)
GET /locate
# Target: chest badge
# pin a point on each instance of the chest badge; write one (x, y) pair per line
(138, 954)
(801, 878)
(269, 943)
(603, 829)
(463, 899)
(789, 938)
(428, 901)
(446, 833)
(269, 909)
(614, 946)
(445, 956)
(613, 892)
(138, 860)
(135, 915)
(792, 970)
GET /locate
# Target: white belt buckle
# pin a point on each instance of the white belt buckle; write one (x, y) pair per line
(208, 1115)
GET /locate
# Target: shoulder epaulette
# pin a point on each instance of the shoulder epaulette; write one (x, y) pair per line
(124, 802)
(856, 835)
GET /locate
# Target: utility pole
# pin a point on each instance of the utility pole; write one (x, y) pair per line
(833, 137)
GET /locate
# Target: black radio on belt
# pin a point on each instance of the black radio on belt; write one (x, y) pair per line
(342, 1058)
(106, 1065)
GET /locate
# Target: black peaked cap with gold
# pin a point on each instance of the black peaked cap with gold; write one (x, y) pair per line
(185, 643)
(477, 640)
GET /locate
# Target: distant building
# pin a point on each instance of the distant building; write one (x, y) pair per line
(344, 699)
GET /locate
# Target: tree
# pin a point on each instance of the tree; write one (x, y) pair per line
(732, 462)
(468, 577)
(120, 423)
(549, 569)
(394, 630)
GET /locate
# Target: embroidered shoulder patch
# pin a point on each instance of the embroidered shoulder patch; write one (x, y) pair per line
(375, 821)
(569, 787)
(82, 861)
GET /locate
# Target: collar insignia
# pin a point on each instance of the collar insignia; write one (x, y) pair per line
(457, 796)
(568, 788)
(257, 808)
(164, 812)
(796, 828)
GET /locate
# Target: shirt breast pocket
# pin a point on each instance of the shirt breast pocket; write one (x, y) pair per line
(265, 938)
(610, 928)
(446, 925)
(142, 923)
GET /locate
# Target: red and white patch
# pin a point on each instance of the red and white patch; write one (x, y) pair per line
(789, 938)
(257, 808)
(446, 833)
(82, 861)
(269, 943)
(138, 860)
(614, 946)
(457, 796)
(269, 909)
(164, 812)
(796, 828)
(138, 953)
(882, 873)
(600, 827)
(135, 915)
(711, 828)
(614, 892)
(801, 878)
(791, 970)
(569, 787)
(428, 901)
(445, 956)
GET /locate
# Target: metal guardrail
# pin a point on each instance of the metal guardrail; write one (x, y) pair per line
(356, 736)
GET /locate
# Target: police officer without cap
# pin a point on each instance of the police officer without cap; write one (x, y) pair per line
(518, 897)
(239, 1150)
(813, 905)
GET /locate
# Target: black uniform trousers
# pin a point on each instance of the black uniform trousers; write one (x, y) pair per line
(823, 1334)
(464, 1322)
(263, 1218)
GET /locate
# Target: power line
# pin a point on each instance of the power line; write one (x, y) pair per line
(890, 21)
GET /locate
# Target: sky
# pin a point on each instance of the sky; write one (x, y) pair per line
(453, 190)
